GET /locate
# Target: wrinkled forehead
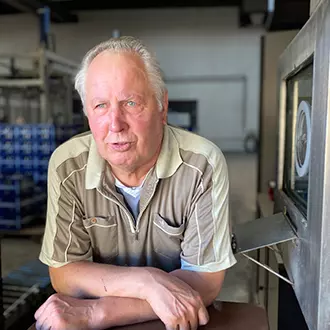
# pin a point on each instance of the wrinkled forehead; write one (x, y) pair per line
(116, 68)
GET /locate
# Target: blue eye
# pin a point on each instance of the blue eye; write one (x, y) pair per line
(101, 105)
(131, 103)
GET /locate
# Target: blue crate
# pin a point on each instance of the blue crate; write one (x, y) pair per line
(28, 148)
(8, 164)
(16, 184)
(24, 149)
(10, 195)
(17, 191)
(20, 207)
(16, 179)
(24, 133)
(45, 133)
(43, 150)
(25, 165)
(7, 149)
(15, 215)
(39, 178)
(16, 187)
(40, 164)
(6, 133)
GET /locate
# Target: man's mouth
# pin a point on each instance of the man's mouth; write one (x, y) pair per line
(120, 146)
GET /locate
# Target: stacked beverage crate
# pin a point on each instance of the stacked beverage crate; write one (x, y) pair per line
(19, 202)
(24, 155)
(25, 149)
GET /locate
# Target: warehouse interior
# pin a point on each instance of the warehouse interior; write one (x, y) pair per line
(240, 73)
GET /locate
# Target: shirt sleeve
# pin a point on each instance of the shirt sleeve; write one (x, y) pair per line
(206, 246)
(65, 239)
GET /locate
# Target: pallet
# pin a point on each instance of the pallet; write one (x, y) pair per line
(24, 290)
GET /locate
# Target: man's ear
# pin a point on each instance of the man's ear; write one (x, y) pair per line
(165, 107)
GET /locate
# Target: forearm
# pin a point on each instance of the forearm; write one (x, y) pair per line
(208, 289)
(92, 280)
(117, 311)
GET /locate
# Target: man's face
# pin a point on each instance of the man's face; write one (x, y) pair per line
(122, 111)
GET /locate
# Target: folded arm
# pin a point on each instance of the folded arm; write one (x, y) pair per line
(132, 295)
(123, 311)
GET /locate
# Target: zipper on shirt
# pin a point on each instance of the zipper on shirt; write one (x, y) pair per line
(145, 206)
(134, 230)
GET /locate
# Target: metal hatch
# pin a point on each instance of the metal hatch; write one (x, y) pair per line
(260, 233)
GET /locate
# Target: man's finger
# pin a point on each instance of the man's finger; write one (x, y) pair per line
(203, 316)
(40, 310)
(172, 327)
(42, 324)
(193, 323)
(185, 326)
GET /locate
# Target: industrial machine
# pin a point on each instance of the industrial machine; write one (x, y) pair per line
(299, 229)
(303, 162)
(36, 87)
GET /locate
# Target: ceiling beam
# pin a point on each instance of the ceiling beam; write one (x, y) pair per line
(58, 15)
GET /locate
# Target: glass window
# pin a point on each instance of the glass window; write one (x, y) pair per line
(298, 137)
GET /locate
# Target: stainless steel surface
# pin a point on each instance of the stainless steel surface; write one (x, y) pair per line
(307, 258)
(294, 120)
(282, 123)
(313, 5)
(262, 232)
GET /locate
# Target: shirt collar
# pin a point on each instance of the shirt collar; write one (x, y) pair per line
(169, 158)
(168, 161)
(95, 166)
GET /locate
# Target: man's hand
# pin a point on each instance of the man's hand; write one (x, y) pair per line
(61, 312)
(175, 302)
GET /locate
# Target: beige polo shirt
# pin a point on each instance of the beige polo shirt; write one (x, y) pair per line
(183, 219)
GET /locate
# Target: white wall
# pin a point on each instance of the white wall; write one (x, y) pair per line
(189, 42)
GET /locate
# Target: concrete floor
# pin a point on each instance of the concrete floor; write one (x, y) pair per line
(239, 279)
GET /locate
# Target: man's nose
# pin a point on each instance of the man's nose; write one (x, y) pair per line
(117, 119)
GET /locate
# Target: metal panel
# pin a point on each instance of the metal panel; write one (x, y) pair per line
(313, 6)
(307, 259)
(262, 232)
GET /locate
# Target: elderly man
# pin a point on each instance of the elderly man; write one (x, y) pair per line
(137, 221)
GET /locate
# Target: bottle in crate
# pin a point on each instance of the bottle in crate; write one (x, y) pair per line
(6, 133)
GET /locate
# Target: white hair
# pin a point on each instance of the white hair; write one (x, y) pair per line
(124, 44)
